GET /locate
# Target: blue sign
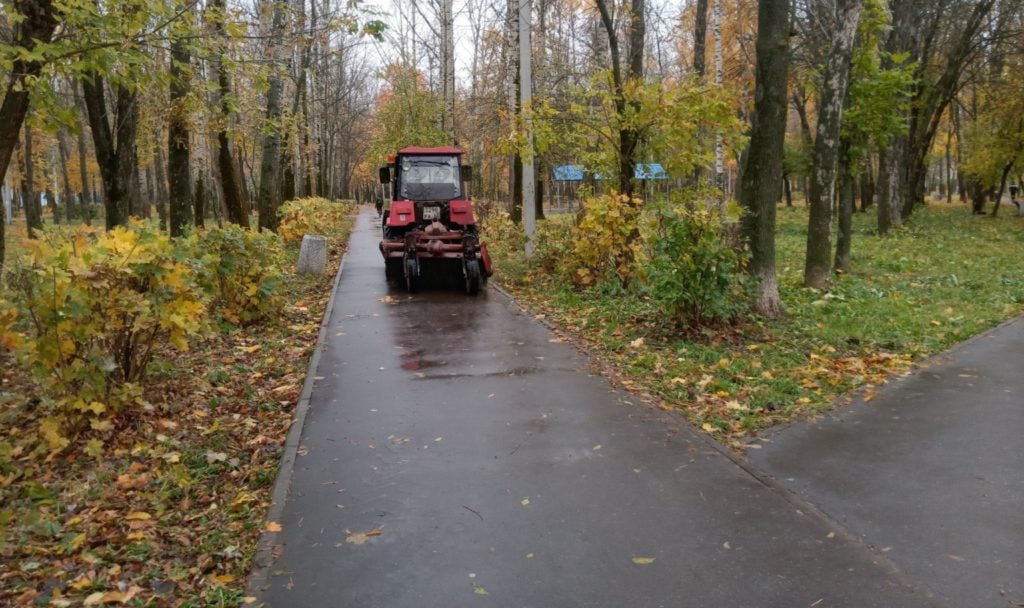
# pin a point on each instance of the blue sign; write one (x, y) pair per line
(568, 173)
(650, 171)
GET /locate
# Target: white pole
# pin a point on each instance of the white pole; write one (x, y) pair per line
(525, 101)
(448, 68)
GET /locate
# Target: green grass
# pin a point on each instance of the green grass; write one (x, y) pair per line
(942, 279)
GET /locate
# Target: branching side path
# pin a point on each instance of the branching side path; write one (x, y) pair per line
(455, 453)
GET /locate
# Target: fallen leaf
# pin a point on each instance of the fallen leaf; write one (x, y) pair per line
(477, 589)
(273, 526)
(955, 557)
(360, 538)
(138, 516)
(643, 561)
(224, 578)
(212, 457)
(525, 501)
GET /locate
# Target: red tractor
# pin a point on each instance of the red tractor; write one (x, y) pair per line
(430, 228)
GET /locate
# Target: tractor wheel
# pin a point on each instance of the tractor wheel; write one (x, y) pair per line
(412, 271)
(392, 269)
(472, 277)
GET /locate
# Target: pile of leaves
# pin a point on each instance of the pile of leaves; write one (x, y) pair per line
(944, 279)
(169, 511)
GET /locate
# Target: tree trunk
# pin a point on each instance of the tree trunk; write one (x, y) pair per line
(38, 24)
(538, 192)
(33, 208)
(51, 200)
(230, 189)
(85, 195)
(836, 81)
(700, 38)
(160, 179)
(890, 200)
(137, 194)
(63, 154)
(867, 185)
(179, 163)
(117, 164)
(762, 174)
(629, 138)
(269, 197)
(1002, 187)
(200, 203)
(844, 239)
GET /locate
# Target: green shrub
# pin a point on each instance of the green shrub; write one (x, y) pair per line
(96, 308)
(320, 216)
(694, 273)
(239, 269)
(553, 249)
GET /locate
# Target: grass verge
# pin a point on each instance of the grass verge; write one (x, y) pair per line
(944, 278)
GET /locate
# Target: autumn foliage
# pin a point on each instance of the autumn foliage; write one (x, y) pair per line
(96, 308)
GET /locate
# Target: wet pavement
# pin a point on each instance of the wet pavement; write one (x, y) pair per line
(455, 454)
(931, 472)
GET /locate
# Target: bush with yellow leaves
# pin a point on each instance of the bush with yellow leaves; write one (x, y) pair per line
(240, 271)
(606, 240)
(313, 216)
(96, 308)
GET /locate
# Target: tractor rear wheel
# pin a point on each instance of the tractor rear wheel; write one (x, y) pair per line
(412, 271)
(473, 277)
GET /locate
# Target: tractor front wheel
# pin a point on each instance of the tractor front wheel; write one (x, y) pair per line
(412, 272)
(473, 277)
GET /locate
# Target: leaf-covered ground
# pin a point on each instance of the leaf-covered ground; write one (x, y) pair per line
(945, 278)
(170, 513)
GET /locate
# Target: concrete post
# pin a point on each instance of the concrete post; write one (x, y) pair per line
(313, 255)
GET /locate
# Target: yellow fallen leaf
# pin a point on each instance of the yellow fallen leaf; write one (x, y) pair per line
(524, 501)
(138, 516)
(360, 538)
(477, 589)
(81, 583)
(224, 579)
(273, 526)
(135, 536)
(249, 599)
(643, 561)
(707, 427)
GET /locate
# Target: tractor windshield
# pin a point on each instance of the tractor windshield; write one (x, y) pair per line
(429, 177)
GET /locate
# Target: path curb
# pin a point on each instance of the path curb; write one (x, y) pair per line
(259, 572)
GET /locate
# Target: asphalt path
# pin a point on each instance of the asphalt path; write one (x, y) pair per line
(455, 454)
(930, 472)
